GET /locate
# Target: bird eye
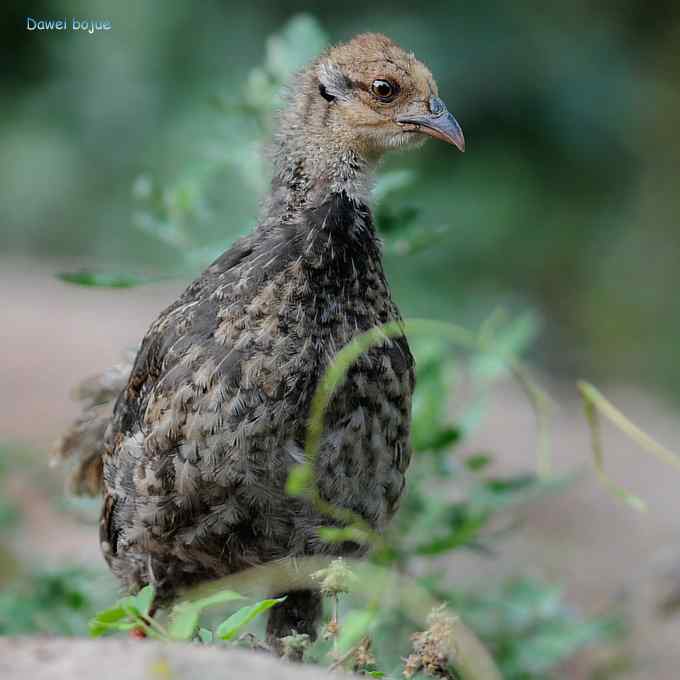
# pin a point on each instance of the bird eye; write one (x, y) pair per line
(384, 90)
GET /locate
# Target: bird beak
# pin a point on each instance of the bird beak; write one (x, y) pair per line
(439, 123)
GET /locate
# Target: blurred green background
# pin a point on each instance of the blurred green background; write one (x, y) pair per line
(138, 153)
(564, 201)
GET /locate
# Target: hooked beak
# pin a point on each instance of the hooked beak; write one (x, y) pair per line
(439, 123)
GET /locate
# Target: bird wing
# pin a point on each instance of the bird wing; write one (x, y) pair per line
(192, 428)
(82, 446)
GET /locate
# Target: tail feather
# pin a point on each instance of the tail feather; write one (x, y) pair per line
(82, 445)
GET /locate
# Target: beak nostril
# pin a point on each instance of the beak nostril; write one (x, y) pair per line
(437, 106)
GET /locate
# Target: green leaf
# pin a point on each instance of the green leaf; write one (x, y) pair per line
(429, 426)
(301, 40)
(97, 629)
(477, 462)
(229, 628)
(496, 494)
(185, 615)
(110, 615)
(410, 239)
(466, 530)
(391, 182)
(504, 343)
(107, 620)
(125, 615)
(106, 280)
(144, 599)
(129, 606)
(510, 485)
(184, 621)
(439, 440)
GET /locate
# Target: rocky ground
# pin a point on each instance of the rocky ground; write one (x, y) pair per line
(52, 659)
(53, 334)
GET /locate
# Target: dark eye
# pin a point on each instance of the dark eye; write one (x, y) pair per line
(384, 90)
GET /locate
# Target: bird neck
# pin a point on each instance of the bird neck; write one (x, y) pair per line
(314, 158)
(308, 175)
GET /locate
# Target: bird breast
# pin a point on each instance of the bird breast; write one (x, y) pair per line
(215, 413)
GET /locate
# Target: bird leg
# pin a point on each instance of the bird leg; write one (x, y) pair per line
(299, 613)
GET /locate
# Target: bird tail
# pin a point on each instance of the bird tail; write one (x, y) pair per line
(81, 447)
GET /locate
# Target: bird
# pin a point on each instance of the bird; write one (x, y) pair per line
(192, 439)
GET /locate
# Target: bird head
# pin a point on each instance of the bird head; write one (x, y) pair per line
(379, 97)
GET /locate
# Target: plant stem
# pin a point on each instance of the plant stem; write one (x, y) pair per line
(335, 624)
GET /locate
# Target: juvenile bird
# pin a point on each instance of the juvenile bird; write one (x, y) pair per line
(194, 455)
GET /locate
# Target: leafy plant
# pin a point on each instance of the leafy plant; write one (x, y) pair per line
(135, 613)
(432, 521)
(529, 628)
(228, 629)
(56, 602)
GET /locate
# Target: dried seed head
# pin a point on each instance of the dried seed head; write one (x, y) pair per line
(363, 657)
(432, 651)
(336, 578)
(293, 646)
(331, 630)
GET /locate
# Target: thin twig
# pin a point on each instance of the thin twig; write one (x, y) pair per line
(347, 655)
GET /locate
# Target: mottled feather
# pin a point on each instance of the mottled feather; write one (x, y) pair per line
(212, 414)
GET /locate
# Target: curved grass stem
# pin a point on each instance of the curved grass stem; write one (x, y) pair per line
(594, 404)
